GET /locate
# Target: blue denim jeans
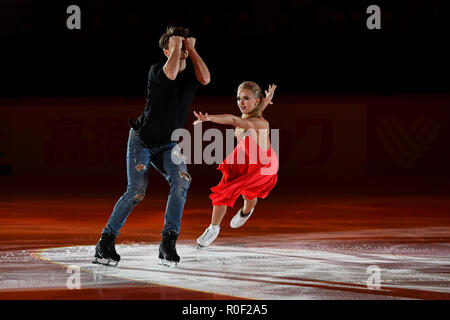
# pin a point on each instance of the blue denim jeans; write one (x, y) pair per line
(138, 159)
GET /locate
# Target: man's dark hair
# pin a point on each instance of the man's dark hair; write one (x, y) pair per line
(172, 31)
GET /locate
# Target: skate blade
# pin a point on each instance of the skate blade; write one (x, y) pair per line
(105, 262)
(199, 247)
(167, 263)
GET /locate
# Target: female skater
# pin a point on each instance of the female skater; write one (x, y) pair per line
(251, 169)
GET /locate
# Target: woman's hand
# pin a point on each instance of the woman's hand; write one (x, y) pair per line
(200, 117)
(269, 95)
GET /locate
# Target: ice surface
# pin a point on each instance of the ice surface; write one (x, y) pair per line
(319, 266)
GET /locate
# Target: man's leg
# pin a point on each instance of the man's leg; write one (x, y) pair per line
(138, 158)
(179, 181)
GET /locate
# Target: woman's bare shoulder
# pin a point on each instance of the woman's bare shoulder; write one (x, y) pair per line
(260, 123)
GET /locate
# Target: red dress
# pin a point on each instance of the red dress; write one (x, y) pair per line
(249, 170)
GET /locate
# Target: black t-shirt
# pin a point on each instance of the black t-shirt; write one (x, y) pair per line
(168, 104)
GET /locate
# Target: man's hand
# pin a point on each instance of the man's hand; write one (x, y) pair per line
(175, 43)
(189, 44)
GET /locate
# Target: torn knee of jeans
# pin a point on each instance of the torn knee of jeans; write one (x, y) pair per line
(140, 167)
(185, 176)
(139, 197)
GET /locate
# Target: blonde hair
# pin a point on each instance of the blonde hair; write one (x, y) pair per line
(257, 92)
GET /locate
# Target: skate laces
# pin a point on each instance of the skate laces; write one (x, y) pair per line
(210, 231)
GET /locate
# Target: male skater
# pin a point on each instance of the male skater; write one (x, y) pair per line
(171, 89)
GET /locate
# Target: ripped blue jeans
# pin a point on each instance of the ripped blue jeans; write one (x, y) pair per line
(139, 157)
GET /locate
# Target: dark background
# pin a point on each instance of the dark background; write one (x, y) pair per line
(317, 52)
(305, 46)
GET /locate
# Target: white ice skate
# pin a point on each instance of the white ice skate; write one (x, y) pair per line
(208, 236)
(239, 220)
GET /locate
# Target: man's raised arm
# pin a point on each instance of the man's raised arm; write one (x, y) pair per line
(201, 70)
(172, 66)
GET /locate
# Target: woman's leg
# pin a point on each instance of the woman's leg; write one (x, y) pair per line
(248, 205)
(213, 230)
(218, 214)
(243, 214)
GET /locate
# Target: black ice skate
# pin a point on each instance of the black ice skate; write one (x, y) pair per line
(105, 251)
(167, 252)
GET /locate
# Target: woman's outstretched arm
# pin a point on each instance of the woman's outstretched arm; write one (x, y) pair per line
(229, 119)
